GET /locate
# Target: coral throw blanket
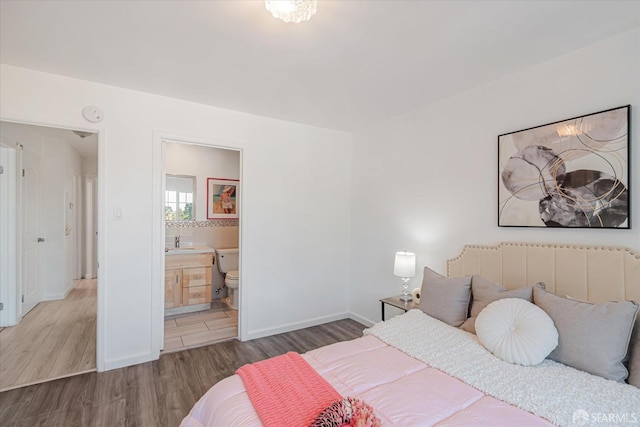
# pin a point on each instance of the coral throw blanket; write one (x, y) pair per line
(286, 391)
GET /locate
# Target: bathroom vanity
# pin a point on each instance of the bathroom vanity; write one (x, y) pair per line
(188, 279)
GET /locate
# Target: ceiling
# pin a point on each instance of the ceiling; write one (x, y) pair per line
(354, 64)
(86, 147)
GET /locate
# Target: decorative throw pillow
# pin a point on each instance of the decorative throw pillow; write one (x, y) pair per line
(446, 299)
(593, 337)
(484, 292)
(516, 331)
(634, 355)
(632, 359)
(347, 412)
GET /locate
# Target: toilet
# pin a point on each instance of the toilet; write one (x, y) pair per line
(227, 261)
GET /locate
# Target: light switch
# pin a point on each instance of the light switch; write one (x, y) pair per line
(117, 213)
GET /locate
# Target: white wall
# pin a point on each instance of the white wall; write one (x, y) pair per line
(90, 166)
(427, 181)
(295, 213)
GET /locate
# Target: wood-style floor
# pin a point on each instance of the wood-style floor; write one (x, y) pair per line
(54, 340)
(184, 331)
(154, 394)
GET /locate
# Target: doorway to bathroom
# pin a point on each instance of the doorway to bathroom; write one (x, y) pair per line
(48, 254)
(201, 220)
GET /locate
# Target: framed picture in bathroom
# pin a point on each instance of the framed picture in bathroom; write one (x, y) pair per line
(222, 198)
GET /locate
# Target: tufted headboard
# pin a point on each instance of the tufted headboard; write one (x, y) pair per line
(585, 272)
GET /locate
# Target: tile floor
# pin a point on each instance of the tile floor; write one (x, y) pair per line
(183, 331)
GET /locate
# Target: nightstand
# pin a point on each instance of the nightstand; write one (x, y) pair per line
(395, 301)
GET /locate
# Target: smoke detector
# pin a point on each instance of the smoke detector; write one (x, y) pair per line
(92, 114)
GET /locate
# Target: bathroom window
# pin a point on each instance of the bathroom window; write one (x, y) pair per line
(179, 198)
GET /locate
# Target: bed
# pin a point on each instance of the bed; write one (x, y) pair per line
(481, 349)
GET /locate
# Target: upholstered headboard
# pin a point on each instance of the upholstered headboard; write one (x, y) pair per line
(589, 273)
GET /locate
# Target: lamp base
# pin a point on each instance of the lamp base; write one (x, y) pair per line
(406, 298)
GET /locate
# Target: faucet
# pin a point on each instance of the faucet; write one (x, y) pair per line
(177, 242)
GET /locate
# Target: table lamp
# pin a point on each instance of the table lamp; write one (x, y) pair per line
(405, 268)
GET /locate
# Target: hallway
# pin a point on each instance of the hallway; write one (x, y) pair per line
(56, 339)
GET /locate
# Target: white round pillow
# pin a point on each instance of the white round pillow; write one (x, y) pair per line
(516, 331)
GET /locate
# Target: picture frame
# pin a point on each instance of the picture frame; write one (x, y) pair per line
(222, 198)
(572, 173)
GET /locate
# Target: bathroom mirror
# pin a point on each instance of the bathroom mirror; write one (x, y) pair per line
(179, 196)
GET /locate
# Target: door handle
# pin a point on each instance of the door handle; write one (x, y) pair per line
(40, 239)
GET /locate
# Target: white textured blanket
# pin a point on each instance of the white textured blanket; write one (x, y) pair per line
(563, 395)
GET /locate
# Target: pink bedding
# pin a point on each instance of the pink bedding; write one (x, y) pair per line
(402, 390)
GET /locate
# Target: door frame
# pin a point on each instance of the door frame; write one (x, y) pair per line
(89, 226)
(101, 130)
(158, 235)
(77, 226)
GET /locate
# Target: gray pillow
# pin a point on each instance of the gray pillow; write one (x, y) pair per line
(446, 299)
(634, 355)
(484, 292)
(592, 337)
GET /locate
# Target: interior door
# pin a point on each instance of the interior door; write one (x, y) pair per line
(8, 254)
(31, 228)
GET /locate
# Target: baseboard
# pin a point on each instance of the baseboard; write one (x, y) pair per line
(261, 333)
(51, 297)
(368, 323)
(56, 296)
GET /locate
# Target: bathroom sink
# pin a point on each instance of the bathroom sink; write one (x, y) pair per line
(188, 250)
(179, 249)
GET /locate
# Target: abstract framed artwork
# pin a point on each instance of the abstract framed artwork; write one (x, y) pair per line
(572, 173)
(222, 198)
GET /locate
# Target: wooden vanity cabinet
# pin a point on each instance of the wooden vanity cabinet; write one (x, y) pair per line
(172, 288)
(187, 279)
(196, 285)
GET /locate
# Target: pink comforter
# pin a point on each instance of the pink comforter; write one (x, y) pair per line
(402, 390)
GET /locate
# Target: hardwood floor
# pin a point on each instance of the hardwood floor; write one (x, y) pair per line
(54, 340)
(158, 393)
(184, 331)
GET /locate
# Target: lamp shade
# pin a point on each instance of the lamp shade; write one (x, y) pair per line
(405, 264)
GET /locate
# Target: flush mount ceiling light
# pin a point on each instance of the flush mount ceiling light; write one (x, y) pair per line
(292, 10)
(82, 134)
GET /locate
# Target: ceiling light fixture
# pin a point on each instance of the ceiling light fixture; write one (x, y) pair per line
(82, 134)
(292, 10)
